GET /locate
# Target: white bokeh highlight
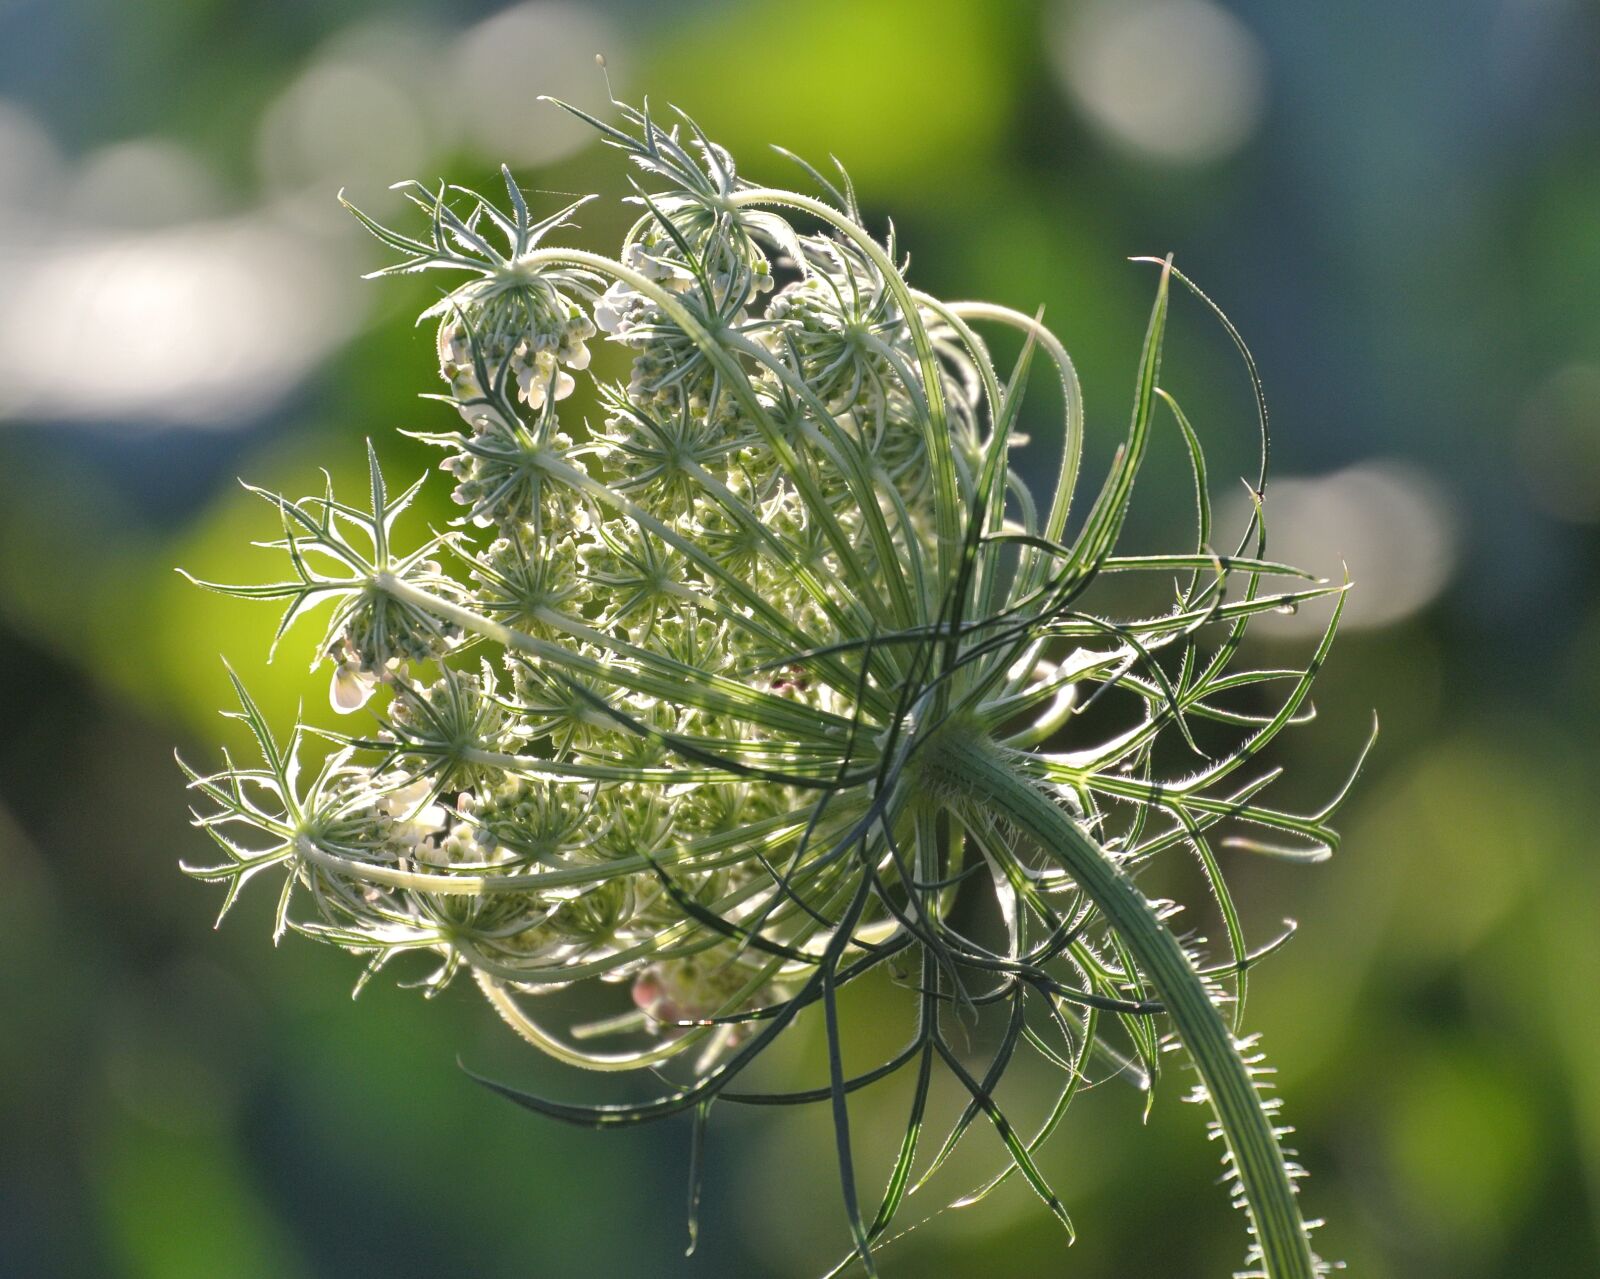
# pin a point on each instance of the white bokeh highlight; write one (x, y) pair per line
(140, 183)
(1178, 82)
(497, 70)
(1390, 522)
(135, 299)
(197, 324)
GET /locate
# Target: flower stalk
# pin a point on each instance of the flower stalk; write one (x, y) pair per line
(969, 772)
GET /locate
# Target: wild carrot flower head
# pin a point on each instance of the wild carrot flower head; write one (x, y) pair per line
(682, 702)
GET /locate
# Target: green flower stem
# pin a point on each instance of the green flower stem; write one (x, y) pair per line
(964, 770)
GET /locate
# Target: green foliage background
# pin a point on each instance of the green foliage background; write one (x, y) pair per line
(1411, 241)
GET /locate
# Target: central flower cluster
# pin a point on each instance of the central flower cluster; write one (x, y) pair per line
(657, 771)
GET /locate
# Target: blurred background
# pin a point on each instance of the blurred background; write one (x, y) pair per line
(1399, 205)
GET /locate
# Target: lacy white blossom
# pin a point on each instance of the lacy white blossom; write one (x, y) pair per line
(727, 691)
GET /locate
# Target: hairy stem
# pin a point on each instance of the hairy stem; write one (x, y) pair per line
(962, 769)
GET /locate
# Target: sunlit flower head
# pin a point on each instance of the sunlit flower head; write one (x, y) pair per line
(749, 672)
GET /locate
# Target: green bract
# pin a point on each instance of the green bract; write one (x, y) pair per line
(732, 696)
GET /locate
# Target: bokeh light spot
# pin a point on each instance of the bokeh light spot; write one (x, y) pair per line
(498, 69)
(1174, 81)
(1391, 523)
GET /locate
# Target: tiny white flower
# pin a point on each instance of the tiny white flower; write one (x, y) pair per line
(613, 307)
(351, 688)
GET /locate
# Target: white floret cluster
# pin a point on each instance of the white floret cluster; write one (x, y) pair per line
(678, 559)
